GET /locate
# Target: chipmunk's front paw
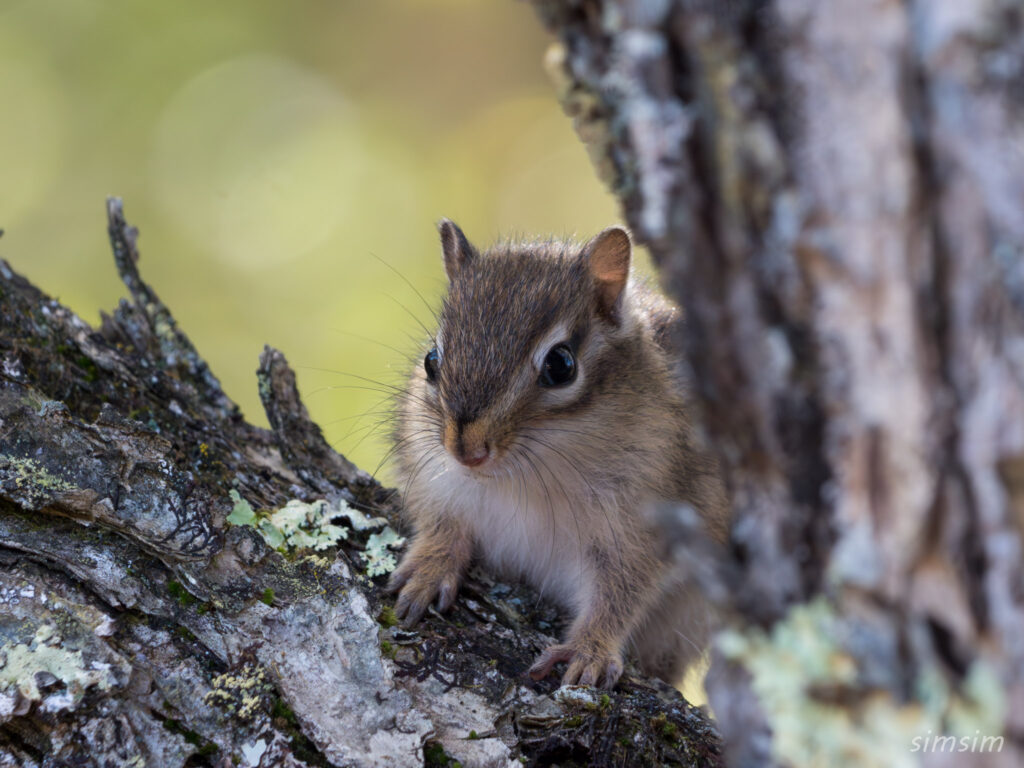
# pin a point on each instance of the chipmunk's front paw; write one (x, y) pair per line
(418, 581)
(587, 665)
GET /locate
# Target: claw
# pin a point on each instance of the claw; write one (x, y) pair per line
(585, 668)
(546, 661)
(409, 610)
(413, 618)
(420, 580)
(446, 594)
(416, 593)
(612, 673)
(589, 676)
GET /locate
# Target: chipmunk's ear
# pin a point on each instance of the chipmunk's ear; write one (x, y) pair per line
(457, 249)
(608, 256)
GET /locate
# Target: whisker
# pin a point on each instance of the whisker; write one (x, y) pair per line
(538, 428)
(367, 379)
(425, 459)
(572, 463)
(691, 642)
(405, 355)
(550, 509)
(408, 282)
(411, 314)
(342, 419)
(570, 505)
(397, 395)
(368, 429)
(413, 439)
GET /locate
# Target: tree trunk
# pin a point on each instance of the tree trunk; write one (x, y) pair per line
(178, 587)
(835, 193)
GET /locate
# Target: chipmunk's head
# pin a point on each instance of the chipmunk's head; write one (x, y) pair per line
(526, 338)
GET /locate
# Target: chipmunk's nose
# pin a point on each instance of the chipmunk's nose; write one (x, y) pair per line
(475, 456)
(467, 442)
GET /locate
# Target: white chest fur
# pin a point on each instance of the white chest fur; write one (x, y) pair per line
(524, 528)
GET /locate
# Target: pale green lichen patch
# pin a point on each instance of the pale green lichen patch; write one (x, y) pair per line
(22, 665)
(379, 559)
(297, 524)
(243, 694)
(308, 525)
(28, 480)
(241, 513)
(820, 714)
(977, 708)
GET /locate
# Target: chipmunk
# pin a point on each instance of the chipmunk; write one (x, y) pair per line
(545, 422)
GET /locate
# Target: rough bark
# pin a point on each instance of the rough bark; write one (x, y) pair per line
(138, 626)
(835, 193)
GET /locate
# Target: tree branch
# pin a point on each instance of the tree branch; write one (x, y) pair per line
(138, 624)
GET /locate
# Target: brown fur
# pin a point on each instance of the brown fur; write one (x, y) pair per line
(573, 471)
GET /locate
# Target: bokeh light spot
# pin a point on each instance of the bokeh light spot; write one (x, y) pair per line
(255, 157)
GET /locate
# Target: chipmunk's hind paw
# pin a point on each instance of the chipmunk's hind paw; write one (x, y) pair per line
(600, 669)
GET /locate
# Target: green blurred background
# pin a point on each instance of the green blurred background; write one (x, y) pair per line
(271, 153)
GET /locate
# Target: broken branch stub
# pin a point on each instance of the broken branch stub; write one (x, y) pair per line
(137, 624)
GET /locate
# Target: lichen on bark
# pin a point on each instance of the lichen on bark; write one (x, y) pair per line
(147, 619)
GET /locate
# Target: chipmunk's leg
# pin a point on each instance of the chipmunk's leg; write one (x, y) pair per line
(433, 567)
(622, 582)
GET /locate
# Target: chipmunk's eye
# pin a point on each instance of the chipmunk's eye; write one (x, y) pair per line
(559, 367)
(430, 364)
